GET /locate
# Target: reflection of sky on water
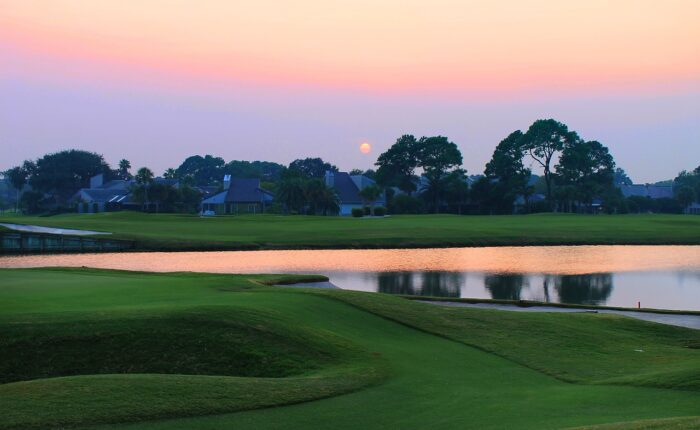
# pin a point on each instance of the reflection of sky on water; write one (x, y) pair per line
(657, 276)
(656, 289)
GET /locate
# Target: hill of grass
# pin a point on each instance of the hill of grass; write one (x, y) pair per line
(191, 232)
(110, 349)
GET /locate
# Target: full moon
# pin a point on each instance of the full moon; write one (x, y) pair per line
(365, 148)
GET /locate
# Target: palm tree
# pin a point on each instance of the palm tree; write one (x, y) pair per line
(123, 171)
(170, 173)
(291, 194)
(144, 178)
(369, 195)
(18, 178)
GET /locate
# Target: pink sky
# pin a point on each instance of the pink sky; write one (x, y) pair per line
(157, 80)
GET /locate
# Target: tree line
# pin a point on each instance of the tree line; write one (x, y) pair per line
(417, 175)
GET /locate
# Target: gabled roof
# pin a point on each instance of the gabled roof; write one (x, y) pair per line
(241, 190)
(346, 188)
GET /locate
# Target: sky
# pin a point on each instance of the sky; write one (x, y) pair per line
(155, 81)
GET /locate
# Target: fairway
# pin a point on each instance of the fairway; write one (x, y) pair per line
(111, 349)
(191, 232)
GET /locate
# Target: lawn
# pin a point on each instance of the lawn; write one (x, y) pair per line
(110, 349)
(191, 232)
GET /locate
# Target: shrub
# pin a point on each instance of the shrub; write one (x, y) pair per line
(368, 210)
(379, 211)
(358, 213)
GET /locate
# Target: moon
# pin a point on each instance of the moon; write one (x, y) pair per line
(365, 148)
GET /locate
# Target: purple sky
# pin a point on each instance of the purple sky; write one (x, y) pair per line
(156, 81)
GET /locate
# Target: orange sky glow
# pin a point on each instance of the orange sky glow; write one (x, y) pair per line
(387, 46)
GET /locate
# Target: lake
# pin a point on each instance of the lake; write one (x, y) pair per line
(665, 277)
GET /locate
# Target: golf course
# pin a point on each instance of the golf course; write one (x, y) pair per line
(172, 232)
(87, 348)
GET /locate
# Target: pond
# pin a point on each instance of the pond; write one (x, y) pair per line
(664, 277)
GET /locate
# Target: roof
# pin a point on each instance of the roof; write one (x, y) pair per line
(99, 195)
(241, 190)
(348, 187)
(646, 190)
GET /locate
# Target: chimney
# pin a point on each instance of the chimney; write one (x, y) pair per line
(330, 179)
(97, 181)
(227, 182)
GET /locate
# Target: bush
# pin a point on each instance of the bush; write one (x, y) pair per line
(358, 213)
(368, 210)
(379, 211)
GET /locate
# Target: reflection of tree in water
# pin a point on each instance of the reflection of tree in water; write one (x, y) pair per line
(395, 283)
(504, 287)
(593, 289)
(440, 284)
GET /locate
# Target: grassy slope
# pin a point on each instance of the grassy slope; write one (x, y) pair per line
(172, 231)
(432, 382)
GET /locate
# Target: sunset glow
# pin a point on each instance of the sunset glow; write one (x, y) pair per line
(278, 79)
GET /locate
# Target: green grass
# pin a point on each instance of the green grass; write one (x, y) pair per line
(189, 232)
(135, 350)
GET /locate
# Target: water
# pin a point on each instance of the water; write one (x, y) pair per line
(665, 277)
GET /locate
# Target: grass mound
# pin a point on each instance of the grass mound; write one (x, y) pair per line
(681, 423)
(200, 341)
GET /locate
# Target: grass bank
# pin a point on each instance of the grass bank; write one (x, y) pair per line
(111, 349)
(190, 232)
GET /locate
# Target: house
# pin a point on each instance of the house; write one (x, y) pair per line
(240, 196)
(102, 196)
(647, 190)
(114, 195)
(348, 189)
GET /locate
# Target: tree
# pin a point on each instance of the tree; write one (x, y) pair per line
(18, 178)
(63, 173)
(170, 173)
(685, 196)
(265, 170)
(396, 166)
(507, 174)
(290, 193)
(543, 140)
(585, 170)
(369, 195)
(204, 170)
(321, 199)
(456, 189)
(123, 170)
(312, 167)
(144, 178)
(437, 156)
(621, 177)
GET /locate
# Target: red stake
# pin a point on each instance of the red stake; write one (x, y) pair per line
(639, 305)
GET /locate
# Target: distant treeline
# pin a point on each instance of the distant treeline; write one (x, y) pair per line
(418, 175)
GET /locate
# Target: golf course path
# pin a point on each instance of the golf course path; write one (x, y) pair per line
(680, 320)
(50, 230)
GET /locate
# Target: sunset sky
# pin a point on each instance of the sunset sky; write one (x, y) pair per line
(155, 81)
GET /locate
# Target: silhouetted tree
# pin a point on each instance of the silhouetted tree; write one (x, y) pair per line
(312, 167)
(123, 170)
(396, 166)
(437, 156)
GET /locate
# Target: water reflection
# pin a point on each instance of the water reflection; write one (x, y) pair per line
(592, 289)
(505, 287)
(438, 284)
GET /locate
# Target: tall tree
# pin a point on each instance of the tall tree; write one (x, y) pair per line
(507, 173)
(312, 167)
(543, 140)
(123, 170)
(291, 193)
(437, 156)
(456, 189)
(621, 177)
(585, 170)
(61, 174)
(396, 167)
